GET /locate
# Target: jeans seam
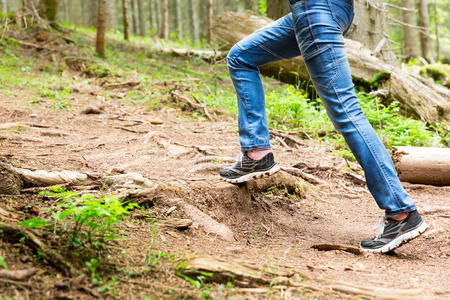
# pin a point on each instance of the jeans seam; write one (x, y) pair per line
(334, 60)
(270, 51)
(369, 147)
(309, 23)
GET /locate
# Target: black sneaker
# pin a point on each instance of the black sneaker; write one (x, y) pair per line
(246, 168)
(395, 233)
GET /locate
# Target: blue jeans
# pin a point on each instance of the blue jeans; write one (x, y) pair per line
(315, 30)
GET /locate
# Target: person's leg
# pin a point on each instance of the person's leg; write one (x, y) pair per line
(319, 27)
(272, 43)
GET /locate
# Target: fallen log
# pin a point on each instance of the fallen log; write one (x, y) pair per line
(417, 97)
(422, 165)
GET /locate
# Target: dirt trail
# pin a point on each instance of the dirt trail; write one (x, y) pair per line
(274, 230)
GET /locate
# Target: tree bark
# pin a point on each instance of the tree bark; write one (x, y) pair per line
(126, 26)
(209, 7)
(422, 165)
(178, 19)
(141, 17)
(277, 8)
(251, 5)
(193, 20)
(101, 28)
(158, 16)
(164, 34)
(415, 95)
(4, 4)
(410, 33)
(134, 20)
(48, 9)
(425, 40)
(436, 28)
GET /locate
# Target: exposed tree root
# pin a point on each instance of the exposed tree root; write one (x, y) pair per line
(308, 177)
(18, 275)
(36, 244)
(254, 280)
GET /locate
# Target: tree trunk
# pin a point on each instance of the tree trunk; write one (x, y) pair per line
(126, 26)
(277, 8)
(251, 5)
(158, 16)
(178, 19)
(141, 17)
(134, 20)
(48, 9)
(101, 28)
(164, 34)
(209, 7)
(150, 14)
(369, 27)
(422, 165)
(4, 4)
(193, 21)
(416, 96)
(436, 28)
(425, 40)
(410, 33)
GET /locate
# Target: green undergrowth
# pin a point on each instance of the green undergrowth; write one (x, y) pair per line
(288, 108)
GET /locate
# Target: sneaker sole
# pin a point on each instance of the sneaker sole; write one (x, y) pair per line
(398, 241)
(253, 175)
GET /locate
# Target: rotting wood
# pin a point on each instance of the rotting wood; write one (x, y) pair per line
(422, 165)
(346, 248)
(415, 95)
(35, 243)
(10, 181)
(18, 275)
(175, 223)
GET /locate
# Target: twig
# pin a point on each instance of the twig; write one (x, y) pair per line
(127, 84)
(287, 138)
(19, 284)
(182, 98)
(329, 247)
(130, 130)
(35, 243)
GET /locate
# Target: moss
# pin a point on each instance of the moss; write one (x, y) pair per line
(379, 79)
(440, 73)
(98, 70)
(51, 9)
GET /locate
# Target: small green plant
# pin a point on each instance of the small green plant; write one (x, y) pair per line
(3, 262)
(198, 281)
(87, 221)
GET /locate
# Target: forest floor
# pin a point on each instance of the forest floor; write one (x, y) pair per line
(141, 129)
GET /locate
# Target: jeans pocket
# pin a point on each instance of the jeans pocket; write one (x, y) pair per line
(322, 67)
(342, 12)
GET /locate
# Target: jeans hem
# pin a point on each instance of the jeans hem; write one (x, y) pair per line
(255, 147)
(409, 208)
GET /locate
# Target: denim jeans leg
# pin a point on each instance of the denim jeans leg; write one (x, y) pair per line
(319, 26)
(271, 43)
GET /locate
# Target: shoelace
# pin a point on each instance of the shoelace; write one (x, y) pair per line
(381, 223)
(239, 159)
